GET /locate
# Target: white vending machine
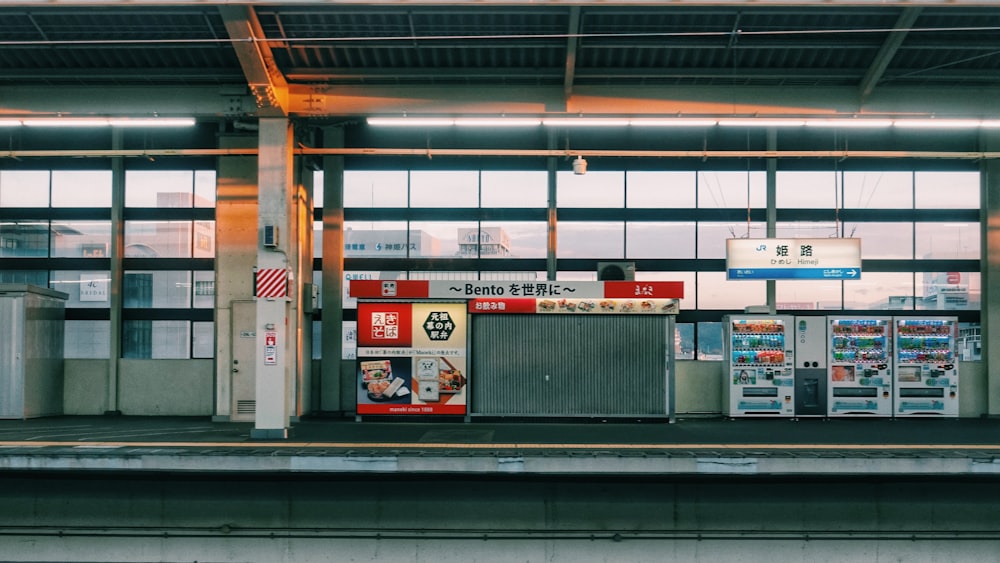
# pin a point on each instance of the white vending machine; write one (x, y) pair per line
(926, 367)
(759, 372)
(860, 382)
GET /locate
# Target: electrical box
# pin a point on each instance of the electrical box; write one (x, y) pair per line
(310, 297)
(270, 236)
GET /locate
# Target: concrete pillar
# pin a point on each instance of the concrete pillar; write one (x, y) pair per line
(333, 371)
(990, 308)
(116, 272)
(236, 255)
(274, 330)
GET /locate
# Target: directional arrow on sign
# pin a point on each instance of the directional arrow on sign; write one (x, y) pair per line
(852, 273)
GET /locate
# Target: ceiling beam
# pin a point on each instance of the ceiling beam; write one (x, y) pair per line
(887, 52)
(572, 40)
(265, 80)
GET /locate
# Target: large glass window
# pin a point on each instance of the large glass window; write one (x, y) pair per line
(81, 239)
(81, 188)
(882, 240)
(446, 239)
(515, 189)
(368, 188)
(946, 190)
(158, 239)
(740, 190)
(512, 239)
(878, 190)
(590, 239)
(666, 190)
(660, 240)
(716, 292)
(807, 190)
(24, 188)
(605, 190)
(947, 241)
(880, 290)
(444, 189)
(24, 238)
(86, 289)
(712, 236)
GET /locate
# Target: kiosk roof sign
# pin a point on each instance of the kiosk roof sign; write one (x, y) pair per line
(793, 259)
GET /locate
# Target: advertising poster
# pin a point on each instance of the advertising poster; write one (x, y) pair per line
(412, 358)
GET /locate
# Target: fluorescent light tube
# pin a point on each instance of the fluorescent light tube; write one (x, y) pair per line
(852, 123)
(758, 122)
(152, 122)
(937, 123)
(410, 122)
(672, 122)
(66, 122)
(584, 122)
(497, 122)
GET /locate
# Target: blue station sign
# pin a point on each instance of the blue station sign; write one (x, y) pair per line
(793, 259)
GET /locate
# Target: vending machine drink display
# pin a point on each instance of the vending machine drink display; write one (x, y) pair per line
(860, 366)
(926, 367)
(760, 378)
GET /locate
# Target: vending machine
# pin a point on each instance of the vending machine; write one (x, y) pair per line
(926, 367)
(759, 369)
(860, 375)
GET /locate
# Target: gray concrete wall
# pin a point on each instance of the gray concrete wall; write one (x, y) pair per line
(166, 387)
(85, 387)
(146, 387)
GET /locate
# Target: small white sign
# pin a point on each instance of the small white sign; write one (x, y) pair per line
(94, 287)
(270, 355)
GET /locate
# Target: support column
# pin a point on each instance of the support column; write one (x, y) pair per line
(236, 253)
(990, 307)
(116, 273)
(551, 218)
(275, 365)
(334, 373)
(772, 211)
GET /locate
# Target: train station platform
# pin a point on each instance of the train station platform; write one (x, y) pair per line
(695, 447)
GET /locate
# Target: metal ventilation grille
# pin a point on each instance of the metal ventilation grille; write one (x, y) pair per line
(561, 365)
(246, 407)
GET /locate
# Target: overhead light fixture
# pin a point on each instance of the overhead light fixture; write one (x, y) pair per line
(410, 122)
(497, 122)
(152, 122)
(761, 122)
(66, 122)
(937, 123)
(59, 122)
(585, 122)
(672, 122)
(579, 166)
(850, 123)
